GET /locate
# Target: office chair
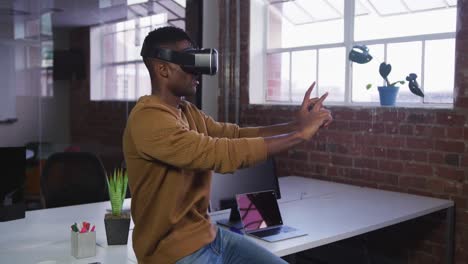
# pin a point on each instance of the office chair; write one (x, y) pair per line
(71, 178)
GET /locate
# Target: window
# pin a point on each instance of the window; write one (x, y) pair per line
(117, 70)
(310, 40)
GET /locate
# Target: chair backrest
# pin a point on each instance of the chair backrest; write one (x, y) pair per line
(71, 178)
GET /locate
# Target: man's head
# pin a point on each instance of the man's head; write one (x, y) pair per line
(167, 75)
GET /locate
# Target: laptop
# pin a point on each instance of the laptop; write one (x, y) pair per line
(261, 218)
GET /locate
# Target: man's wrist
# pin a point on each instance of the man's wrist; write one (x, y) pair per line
(300, 136)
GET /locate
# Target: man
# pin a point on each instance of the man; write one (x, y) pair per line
(171, 148)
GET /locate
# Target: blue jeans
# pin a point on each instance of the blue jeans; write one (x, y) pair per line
(232, 248)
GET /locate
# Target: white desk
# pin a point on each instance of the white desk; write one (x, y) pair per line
(44, 235)
(327, 211)
(330, 212)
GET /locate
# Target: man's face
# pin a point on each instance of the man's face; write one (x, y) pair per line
(181, 83)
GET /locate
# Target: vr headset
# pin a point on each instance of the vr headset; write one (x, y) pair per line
(193, 61)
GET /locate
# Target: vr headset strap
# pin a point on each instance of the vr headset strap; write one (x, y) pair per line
(168, 55)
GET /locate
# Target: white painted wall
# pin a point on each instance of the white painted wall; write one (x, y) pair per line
(210, 88)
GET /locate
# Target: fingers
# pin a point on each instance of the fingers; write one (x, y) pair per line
(329, 120)
(318, 104)
(311, 103)
(307, 96)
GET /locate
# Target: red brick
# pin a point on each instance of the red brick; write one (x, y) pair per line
(363, 115)
(342, 160)
(460, 201)
(385, 178)
(390, 141)
(349, 172)
(454, 132)
(391, 116)
(418, 143)
(365, 163)
(464, 160)
(450, 146)
(438, 132)
(452, 159)
(319, 157)
(450, 173)
(339, 125)
(436, 185)
(366, 139)
(420, 118)
(380, 152)
(346, 114)
(339, 137)
(436, 157)
(377, 128)
(357, 150)
(450, 119)
(391, 166)
(422, 130)
(418, 169)
(332, 171)
(391, 129)
(413, 155)
(355, 126)
(298, 155)
(393, 153)
(412, 182)
(407, 130)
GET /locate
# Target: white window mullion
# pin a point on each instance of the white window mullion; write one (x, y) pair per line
(385, 59)
(423, 62)
(317, 84)
(290, 77)
(348, 41)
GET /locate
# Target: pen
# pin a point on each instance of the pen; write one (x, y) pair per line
(74, 228)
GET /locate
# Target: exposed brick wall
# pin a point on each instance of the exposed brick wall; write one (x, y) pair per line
(419, 151)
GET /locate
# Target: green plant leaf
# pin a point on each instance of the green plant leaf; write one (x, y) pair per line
(368, 86)
(117, 186)
(400, 82)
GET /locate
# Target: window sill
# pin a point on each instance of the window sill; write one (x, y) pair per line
(365, 105)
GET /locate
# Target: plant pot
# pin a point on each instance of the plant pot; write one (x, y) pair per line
(388, 95)
(117, 228)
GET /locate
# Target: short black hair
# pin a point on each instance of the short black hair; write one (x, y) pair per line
(166, 36)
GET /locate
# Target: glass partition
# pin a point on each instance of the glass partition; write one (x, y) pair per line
(73, 74)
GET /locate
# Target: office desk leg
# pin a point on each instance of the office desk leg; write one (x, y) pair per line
(450, 236)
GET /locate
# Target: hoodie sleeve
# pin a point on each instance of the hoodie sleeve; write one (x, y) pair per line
(159, 134)
(228, 130)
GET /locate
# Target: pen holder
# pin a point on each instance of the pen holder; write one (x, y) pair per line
(83, 245)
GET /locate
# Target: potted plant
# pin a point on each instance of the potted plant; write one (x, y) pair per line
(117, 223)
(389, 91)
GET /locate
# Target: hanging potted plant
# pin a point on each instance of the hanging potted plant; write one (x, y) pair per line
(117, 223)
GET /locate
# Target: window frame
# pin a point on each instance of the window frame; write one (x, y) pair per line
(348, 43)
